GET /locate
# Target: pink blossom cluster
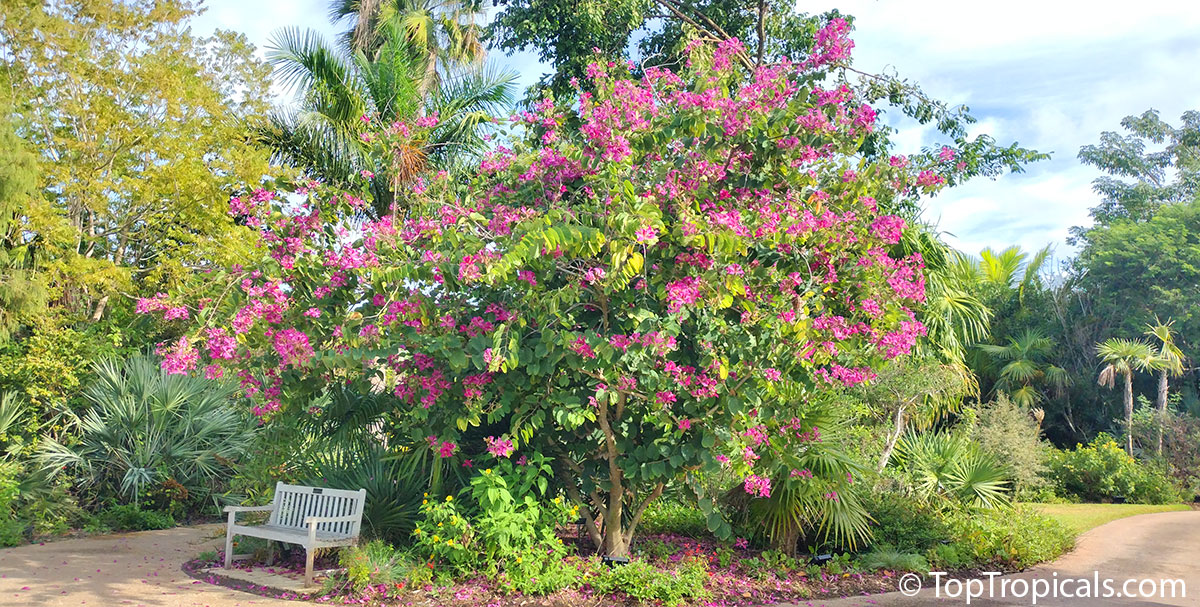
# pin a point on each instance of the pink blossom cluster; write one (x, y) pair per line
(499, 447)
(758, 486)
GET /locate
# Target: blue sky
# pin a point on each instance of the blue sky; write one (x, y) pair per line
(1050, 74)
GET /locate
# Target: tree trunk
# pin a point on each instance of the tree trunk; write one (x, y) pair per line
(1129, 412)
(892, 439)
(1162, 406)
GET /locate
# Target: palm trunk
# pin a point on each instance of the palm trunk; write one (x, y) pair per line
(1162, 407)
(1129, 412)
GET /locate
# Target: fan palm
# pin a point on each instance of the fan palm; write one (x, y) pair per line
(949, 466)
(145, 427)
(1123, 357)
(322, 134)
(1169, 362)
(1024, 367)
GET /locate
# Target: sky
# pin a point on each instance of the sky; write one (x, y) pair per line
(1048, 74)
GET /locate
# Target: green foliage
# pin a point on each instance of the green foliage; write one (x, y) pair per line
(1101, 470)
(1146, 268)
(515, 513)
(129, 517)
(147, 431)
(544, 569)
(12, 527)
(904, 523)
(1011, 539)
(373, 563)
(145, 130)
(891, 559)
(393, 488)
(644, 582)
(674, 517)
(947, 466)
(444, 534)
(1009, 433)
(393, 83)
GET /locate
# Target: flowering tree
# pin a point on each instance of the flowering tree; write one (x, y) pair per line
(656, 285)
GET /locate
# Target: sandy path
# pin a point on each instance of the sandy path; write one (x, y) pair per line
(1164, 545)
(114, 570)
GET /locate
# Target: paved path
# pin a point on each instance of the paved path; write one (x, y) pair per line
(1158, 546)
(136, 569)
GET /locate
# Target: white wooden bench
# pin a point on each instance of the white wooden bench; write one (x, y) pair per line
(312, 517)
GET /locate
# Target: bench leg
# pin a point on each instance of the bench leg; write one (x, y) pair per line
(270, 553)
(228, 546)
(308, 565)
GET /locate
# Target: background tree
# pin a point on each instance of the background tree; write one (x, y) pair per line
(1022, 367)
(1122, 357)
(140, 126)
(1140, 181)
(1168, 360)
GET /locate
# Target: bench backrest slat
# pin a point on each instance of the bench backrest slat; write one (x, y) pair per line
(295, 503)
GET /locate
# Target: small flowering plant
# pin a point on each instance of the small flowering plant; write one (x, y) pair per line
(650, 283)
(443, 534)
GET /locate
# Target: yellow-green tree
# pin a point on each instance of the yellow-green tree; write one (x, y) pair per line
(139, 129)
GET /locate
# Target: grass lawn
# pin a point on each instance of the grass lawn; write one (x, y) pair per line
(1081, 517)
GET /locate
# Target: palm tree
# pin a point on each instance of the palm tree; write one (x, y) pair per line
(338, 88)
(1026, 366)
(1169, 362)
(1011, 268)
(1123, 357)
(440, 33)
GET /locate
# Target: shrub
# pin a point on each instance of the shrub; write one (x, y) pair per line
(393, 489)
(148, 430)
(1102, 470)
(544, 569)
(1007, 538)
(130, 518)
(443, 533)
(372, 563)
(12, 528)
(947, 466)
(1007, 432)
(648, 584)
(904, 524)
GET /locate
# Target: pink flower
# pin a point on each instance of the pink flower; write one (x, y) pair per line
(180, 358)
(947, 154)
(367, 174)
(683, 292)
(685, 424)
(805, 474)
(772, 374)
(447, 449)
(499, 447)
(759, 486)
(664, 398)
(646, 234)
(888, 228)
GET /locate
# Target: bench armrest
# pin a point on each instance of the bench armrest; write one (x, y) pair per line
(233, 510)
(266, 508)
